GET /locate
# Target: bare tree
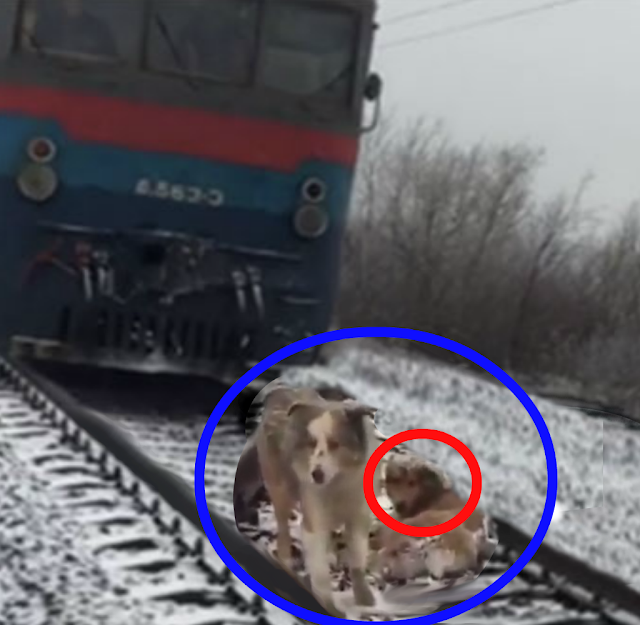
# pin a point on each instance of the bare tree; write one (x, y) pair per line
(454, 241)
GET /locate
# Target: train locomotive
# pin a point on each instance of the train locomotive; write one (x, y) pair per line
(175, 176)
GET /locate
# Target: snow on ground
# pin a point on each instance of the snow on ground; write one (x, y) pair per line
(45, 576)
(619, 519)
(488, 418)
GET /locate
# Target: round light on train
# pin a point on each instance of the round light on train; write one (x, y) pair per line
(314, 190)
(311, 221)
(37, 182)
(41, 150)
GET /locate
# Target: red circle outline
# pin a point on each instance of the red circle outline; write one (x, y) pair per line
(433, 530)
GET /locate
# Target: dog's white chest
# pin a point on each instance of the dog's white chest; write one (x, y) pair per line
(334, 506)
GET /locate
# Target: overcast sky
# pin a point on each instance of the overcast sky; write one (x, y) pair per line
(566, 79)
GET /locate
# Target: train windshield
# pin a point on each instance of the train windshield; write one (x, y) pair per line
(309, 50)
(305, 49)
(213, 39)
(85, 30)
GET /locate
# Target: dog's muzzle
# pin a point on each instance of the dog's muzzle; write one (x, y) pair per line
(318, 475)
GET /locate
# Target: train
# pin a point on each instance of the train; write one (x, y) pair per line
(175, 176)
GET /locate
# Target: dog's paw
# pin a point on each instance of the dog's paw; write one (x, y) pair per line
(362, 593)
(332, 609)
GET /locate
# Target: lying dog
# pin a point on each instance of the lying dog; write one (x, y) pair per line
(422, 495)
(313, 452)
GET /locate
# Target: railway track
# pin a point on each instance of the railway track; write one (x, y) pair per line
(130, 527)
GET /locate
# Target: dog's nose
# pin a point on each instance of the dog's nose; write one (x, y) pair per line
(318, 475)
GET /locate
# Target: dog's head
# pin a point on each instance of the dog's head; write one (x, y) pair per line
(412, 485)
(328, 438)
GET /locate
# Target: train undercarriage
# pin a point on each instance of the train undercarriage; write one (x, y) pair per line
(159, 302)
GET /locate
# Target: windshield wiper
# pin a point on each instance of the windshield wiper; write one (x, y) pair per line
(175, 53)
(68, 59)
(309, 103)
(335, 80)
(34, 43)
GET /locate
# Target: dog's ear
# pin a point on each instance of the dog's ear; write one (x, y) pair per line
(355, 409)
(431, 478)
(302, 410)
(277, 398)
(425, 473)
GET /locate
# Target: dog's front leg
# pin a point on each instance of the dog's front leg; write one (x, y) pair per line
(317, 546)
(357, 533)
(282, 507)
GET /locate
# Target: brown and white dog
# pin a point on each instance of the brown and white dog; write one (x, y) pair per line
(312, 454)
(249, 491)
(422, 495)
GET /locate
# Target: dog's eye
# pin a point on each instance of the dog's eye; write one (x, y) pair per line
(332, 444)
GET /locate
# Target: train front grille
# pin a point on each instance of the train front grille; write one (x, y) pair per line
(175, 337)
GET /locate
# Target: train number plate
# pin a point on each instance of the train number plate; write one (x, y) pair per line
(185, 194)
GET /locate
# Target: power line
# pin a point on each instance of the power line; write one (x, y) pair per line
(437, 34)
(452, 4)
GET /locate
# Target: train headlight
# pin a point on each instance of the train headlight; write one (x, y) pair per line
(311, 221)
(314, 190)
(38, 182)
(41, 150)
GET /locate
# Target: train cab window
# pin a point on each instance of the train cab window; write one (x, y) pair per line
(210, 39)
(309, 51)
(82, 30)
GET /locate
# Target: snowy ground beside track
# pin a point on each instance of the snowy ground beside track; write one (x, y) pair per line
(414, 393)
(46, 576)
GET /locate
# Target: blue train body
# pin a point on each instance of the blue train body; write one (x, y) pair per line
(148, 224)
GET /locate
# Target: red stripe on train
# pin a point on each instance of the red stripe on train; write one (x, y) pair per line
(191, 132)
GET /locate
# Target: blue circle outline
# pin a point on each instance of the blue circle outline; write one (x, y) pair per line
(381, 332)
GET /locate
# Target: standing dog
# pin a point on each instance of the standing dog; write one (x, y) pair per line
(312, 453)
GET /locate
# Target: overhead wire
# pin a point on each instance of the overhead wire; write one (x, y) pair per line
(437, 34)
(444, 6)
